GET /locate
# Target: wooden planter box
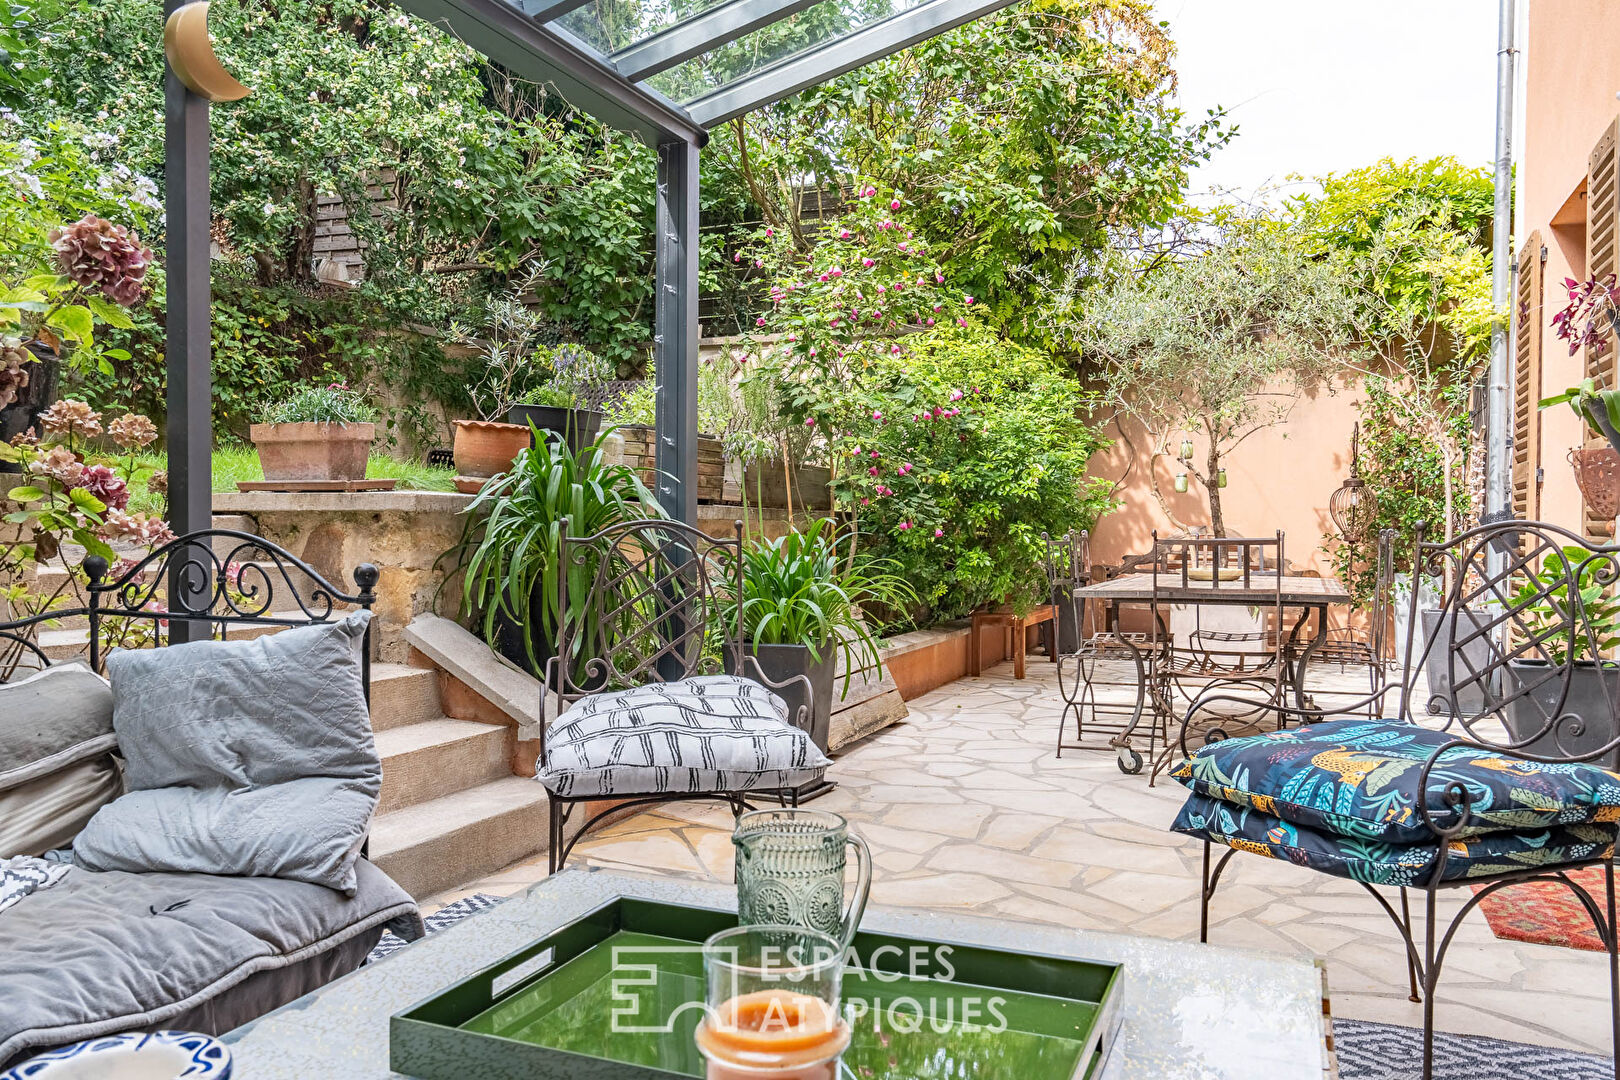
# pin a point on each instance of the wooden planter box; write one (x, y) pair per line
(764, 484)
(640, 454)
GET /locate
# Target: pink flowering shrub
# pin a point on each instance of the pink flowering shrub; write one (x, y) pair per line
(73, 502)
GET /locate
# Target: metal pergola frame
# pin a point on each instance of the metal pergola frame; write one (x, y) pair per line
(524, 37)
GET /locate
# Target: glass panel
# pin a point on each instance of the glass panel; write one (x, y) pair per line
(817, 25)
(610, 25)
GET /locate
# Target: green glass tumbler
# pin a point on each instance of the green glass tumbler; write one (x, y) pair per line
(791, 866)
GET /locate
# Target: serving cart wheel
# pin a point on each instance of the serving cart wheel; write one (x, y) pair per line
(1128, 760)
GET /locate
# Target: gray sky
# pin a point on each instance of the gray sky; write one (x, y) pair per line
(1319, 87)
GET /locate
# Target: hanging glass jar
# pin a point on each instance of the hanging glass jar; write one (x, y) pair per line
(1220, 478)
(1181, 482)
(1186, 449)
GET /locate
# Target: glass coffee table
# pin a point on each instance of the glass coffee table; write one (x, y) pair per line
(1187, 1011)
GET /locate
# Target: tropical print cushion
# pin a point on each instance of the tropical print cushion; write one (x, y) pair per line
(1359, 778)
(1379, 862)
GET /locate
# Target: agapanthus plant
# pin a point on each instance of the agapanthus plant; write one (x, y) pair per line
(73, 501)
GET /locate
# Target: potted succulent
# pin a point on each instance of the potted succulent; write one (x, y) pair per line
(1565, 605)
(51, 315)
(554, 407)
(801, 610)
(320, 433)
(509, 544)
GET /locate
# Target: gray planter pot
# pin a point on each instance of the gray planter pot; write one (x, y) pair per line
(1438, 663)
(781, 662)
(1594, 695)
(576, 427)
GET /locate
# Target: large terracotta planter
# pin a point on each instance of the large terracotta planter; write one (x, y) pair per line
(298, 453)
(1597, 474)
(484, 448)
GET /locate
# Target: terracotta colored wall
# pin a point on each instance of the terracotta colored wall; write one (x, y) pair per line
(1571, 76)
(1279, 478)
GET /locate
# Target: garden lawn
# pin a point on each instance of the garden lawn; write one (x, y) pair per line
(234, 463)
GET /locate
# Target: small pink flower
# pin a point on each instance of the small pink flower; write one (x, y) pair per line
(812, 351)
(939, 277)
(894, 350)
(930, 322)
(956, 395)
(737, 257)
(880, 288)
(968, 300)
(759, 264)
(902, 245)
(868, 262)
(843, 234)
(874, 453)
(866, 502)
(769, 233)
(873, 471)
(821, 277)
(837, 272)
(876, 416)
(905, 468)
(961, 322)
(936, 308)
(810, 421)
(894, 204)
(905, 525)
(760, 321)
(938, 533)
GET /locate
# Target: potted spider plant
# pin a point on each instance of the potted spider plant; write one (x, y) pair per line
(320, 433)
(801, 609)
(508, 549)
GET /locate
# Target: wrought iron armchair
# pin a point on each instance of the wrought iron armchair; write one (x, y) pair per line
(656, 603)
(215, 578)
(1079, 655)
(1490, 780)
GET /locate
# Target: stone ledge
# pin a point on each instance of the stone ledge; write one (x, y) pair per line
(348, 502)
(462, 654)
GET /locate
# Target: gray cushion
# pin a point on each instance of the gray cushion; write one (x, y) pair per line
(53, 719)
(103, 953)
(242, 757)
(47, 813)
(713, 733)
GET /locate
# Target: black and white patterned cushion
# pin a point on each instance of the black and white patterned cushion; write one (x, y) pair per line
(711, 733)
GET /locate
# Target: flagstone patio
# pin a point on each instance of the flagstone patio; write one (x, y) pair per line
(967, 808)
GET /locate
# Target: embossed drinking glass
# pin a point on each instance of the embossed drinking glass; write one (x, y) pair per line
(791, 867)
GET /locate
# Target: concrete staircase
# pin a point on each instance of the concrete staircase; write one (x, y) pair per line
(451, 811)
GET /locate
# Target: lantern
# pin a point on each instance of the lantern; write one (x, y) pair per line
(1181, 482)
(1353, 506)
(1186, 449)
(1220, 478)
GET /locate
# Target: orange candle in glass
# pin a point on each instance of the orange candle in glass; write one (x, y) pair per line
(772, 1004)
(773, 1033)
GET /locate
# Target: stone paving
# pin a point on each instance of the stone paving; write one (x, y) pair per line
(966, 807)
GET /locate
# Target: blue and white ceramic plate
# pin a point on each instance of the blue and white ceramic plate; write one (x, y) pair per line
(162, 1055)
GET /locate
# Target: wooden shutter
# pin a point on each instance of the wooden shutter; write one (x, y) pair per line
(1602, 263)
(1527, 320)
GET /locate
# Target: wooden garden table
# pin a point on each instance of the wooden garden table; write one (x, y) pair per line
(1015, 626)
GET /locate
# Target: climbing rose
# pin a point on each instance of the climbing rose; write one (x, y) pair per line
(102, 257)
(938, 533)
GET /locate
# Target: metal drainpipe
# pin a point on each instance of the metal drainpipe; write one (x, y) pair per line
(1497, 501)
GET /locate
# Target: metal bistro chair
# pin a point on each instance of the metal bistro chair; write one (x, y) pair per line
(1507, 779)
(653, 696)
(1349, 647)
(1079, 654)
(1250, 571)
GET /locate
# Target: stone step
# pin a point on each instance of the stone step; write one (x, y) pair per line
(427, 760)
(457, 839)
(402, 695)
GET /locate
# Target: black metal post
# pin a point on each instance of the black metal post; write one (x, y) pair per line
(675, 329)
(190, 390)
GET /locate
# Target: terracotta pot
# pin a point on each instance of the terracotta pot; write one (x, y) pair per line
(302, 452)
(485, 448)
(1597, 474)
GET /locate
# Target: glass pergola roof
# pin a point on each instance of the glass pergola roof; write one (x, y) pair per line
(675, 68)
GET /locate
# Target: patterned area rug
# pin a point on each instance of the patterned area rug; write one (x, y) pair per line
(448, 915)
(1369, 1051)
(1546, 913)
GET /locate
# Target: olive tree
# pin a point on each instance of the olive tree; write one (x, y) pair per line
(1217, 343)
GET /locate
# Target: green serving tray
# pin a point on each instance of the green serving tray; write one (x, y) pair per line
(922, 1008)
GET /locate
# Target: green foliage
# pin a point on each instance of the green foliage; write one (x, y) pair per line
(509, 548)
(1017, 141)
(958, 455)
(333, 403)
(233, 462)
(554, 396)
(807, 587)
(1221, 342)
(1599, 409)
(1567, 606)
(1407, 470)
